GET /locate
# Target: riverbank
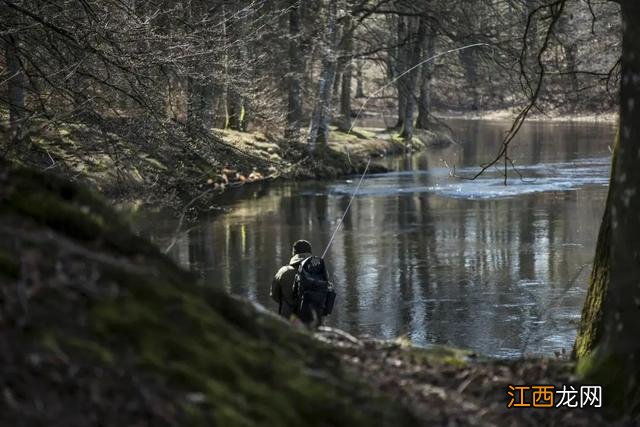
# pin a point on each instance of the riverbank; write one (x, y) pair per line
(151, 169)
(99, 328)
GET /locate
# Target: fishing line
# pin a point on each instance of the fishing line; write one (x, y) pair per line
(364, 104)
(347, 209)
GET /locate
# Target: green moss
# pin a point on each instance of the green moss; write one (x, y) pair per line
(47, 208)
(90, 348)
(439, 354)
(353, 136)
(609, 371)
(69, 209)
(9, 264)
(252, 370)
(591, 325)
(415, 141)
(154, 162)
(184, 340)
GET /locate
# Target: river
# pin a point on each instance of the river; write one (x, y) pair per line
(502, 270)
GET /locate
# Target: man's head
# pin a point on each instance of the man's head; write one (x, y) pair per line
(301, 247)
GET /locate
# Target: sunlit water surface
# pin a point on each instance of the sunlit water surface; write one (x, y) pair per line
(499, 269)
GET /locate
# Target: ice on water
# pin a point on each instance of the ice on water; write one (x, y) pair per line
(541, 177)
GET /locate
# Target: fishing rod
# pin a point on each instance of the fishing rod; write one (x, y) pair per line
(355, 192)
(353, 196)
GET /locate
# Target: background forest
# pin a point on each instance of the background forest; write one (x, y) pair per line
(121, 92)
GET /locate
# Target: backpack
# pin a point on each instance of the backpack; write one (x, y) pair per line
(313, 294)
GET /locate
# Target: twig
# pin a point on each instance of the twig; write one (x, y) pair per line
(184, 212)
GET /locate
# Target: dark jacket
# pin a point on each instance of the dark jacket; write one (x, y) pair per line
(282, 285)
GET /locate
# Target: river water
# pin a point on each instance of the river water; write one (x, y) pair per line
(498, 269)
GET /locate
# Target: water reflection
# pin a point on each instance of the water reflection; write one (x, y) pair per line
(504, 275)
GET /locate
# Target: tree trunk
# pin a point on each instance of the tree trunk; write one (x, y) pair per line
(470, 65)
(15, 88)
(615, 361)
(424, 101)
(195, 103)
(225, 64)
(412, 80)
(591, 327)
(337, 81)
(235, 107)
(344, 124)
(296, 70)
(566, 37)
(209, 106)
(359, 79)
(399, 66)
(237, 75)
(321, 117)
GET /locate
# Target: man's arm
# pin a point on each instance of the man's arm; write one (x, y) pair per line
(276, 291)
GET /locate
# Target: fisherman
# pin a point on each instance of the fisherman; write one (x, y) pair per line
(282, 285)
(302, 288)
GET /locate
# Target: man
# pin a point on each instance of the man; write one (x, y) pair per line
(282, 285)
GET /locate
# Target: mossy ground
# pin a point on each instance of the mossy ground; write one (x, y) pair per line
(136, 163)
(375, 142)
(98, 328)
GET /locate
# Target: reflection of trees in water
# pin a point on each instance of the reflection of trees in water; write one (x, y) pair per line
(425, 256)
(407, 222)
(351, 266)
(526, 253)
(536, 142)
(442, 269)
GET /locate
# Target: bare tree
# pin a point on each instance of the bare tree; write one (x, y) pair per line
(295, 72)
(344, 122)
(414, 50)
(321, 116)
(426, 77)
(16, 86)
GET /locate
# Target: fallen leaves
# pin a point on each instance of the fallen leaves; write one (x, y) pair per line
(445, 386)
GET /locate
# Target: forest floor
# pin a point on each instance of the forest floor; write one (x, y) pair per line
(451, 387)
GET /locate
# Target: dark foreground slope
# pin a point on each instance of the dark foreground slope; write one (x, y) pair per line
(98, 328)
